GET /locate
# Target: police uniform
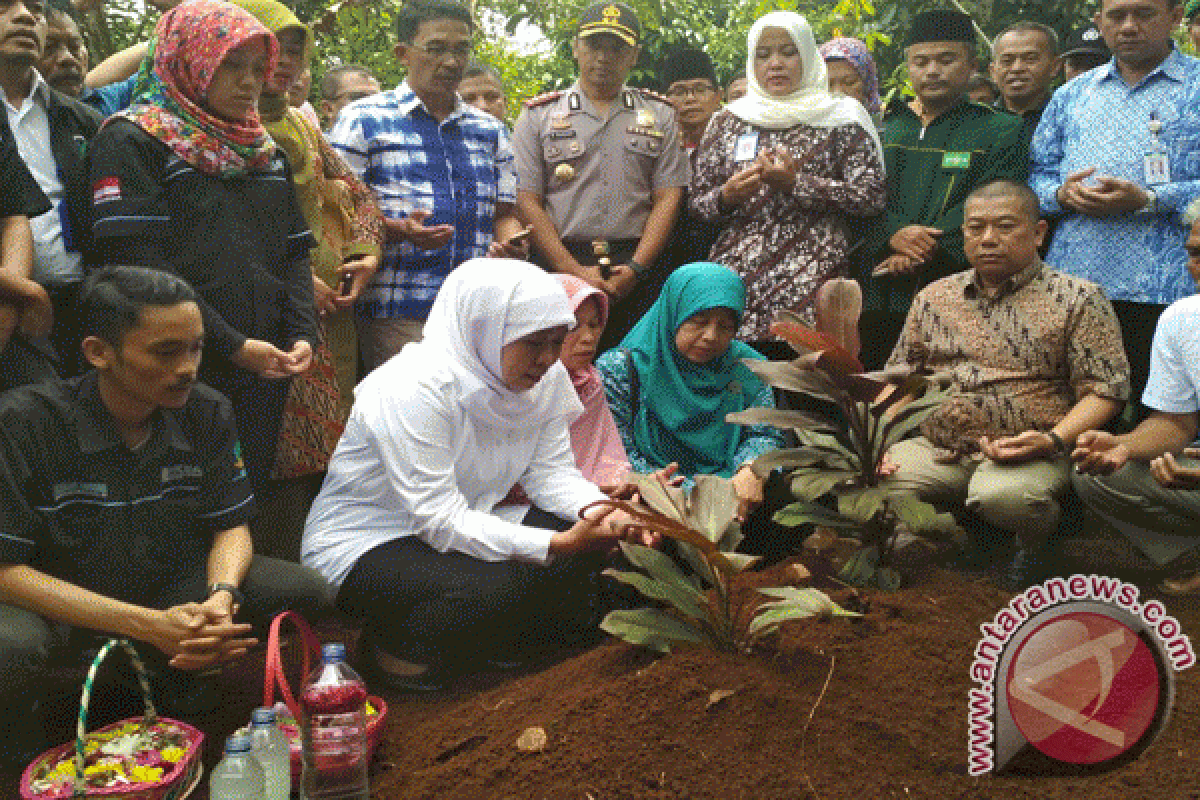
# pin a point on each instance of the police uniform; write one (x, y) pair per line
(596, 173)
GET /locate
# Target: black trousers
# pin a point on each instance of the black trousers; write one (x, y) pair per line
(429, 607)
(1138, 321)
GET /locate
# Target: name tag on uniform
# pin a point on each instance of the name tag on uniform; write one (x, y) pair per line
(956, 160)
(1157, 168)
(746, 147)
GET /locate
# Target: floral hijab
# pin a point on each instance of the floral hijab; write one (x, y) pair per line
(855, 52)
(190, 42)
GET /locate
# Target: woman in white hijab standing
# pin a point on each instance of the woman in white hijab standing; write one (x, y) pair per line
(406, 524)
(783, 168)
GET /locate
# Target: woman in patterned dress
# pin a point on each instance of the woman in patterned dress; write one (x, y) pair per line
(783, 168)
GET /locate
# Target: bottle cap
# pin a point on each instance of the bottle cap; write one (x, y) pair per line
(334, 651)
(238, 743)
(263, 716)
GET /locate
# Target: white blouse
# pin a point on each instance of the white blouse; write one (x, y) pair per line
(413, 463)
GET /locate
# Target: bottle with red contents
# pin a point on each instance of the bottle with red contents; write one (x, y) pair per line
(335, 730)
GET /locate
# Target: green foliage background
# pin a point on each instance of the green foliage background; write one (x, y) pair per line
(362, 31)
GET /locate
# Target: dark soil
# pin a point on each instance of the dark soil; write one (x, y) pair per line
(624, 723)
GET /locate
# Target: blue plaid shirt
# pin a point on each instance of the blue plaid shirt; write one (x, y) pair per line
(1097, 120)
(459, 169)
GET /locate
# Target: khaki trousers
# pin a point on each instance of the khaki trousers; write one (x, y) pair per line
(1021, 498)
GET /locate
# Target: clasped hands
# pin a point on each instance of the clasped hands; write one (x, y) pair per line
(1105, 196)
(268, 361)
(775, 167)
(198, 636)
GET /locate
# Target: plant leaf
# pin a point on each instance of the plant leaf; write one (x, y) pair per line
(786, 375)
(811, 484)
(862, 504)
(800, 604)
(666, 500)
(888, 578)
(685, 600)
(741, 562)
(797, 457)
(649, 627)
(797, 514)
(859, 569)
(781, 418)
(915, 513)
(658, 566)
(712, 506)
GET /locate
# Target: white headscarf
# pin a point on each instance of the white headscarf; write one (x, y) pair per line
(812, 104)
(483, 305)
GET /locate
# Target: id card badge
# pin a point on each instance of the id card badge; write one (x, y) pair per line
(1157, 168)
(746, 147)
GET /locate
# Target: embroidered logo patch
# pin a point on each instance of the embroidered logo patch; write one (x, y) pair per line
(106, 190)
(956, 160)
(180, 471)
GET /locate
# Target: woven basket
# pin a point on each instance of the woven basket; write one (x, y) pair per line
(310, 650)
(176, 783)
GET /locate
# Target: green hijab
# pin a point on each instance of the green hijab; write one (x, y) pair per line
(681, 406)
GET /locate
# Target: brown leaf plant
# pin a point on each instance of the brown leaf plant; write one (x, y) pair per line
(838, 470)
(698, 590)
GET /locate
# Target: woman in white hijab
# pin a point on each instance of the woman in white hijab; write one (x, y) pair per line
(406, 524)
(783, 168)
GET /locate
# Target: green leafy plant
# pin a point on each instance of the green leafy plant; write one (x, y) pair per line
(702, 604)
(841, 450)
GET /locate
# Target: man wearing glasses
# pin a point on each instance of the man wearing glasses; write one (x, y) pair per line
(443, 171)
(601, 171)
(690, 83)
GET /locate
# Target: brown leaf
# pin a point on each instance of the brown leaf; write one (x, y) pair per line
(532, 740)
(719, 695)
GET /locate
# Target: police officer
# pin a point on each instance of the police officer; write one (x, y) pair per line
(601, 170)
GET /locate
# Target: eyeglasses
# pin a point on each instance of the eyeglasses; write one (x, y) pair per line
(680, 92)
(437, 50)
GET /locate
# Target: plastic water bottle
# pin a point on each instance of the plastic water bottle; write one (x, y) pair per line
(335, 730)
(270, 747)
(238, 776)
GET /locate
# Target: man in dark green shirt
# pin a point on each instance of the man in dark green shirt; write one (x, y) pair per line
(936, 154)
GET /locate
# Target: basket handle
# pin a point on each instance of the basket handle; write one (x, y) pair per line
(149, 718)
(274, 675)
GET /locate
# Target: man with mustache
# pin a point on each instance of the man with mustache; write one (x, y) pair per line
(934, 159)
(1114, 161)
(601, 172)
(123, 511)
(51, 132)
(443, 171)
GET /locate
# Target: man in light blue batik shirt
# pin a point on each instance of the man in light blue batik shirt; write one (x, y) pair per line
(1117, 158)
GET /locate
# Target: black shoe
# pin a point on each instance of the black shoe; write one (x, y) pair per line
(435, 678)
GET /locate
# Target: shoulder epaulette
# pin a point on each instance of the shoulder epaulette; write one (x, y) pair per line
(654, 95)
(542, 99)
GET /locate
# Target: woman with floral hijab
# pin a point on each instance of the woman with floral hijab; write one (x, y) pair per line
(852, 72)
(188, 180)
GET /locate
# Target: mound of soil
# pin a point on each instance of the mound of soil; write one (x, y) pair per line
(620, 722)
(624, 723)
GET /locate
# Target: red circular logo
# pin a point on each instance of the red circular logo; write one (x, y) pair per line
(1083, 688)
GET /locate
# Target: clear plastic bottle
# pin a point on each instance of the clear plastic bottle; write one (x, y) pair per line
(335, 730)
(270, 747)
(238, 776)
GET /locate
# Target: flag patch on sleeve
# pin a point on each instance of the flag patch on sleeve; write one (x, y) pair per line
(106, 190)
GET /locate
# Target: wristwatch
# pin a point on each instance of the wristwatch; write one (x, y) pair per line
(234, 592)
(638, 269)
(1060, 447)
(1151, 206)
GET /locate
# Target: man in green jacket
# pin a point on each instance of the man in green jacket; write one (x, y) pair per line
(937, 151)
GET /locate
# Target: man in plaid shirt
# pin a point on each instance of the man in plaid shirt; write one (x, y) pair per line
(443, 171)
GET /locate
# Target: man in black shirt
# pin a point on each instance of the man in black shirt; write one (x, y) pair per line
(25, 308)
(123, 506)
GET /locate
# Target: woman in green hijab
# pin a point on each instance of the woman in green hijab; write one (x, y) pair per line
(679, 372)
